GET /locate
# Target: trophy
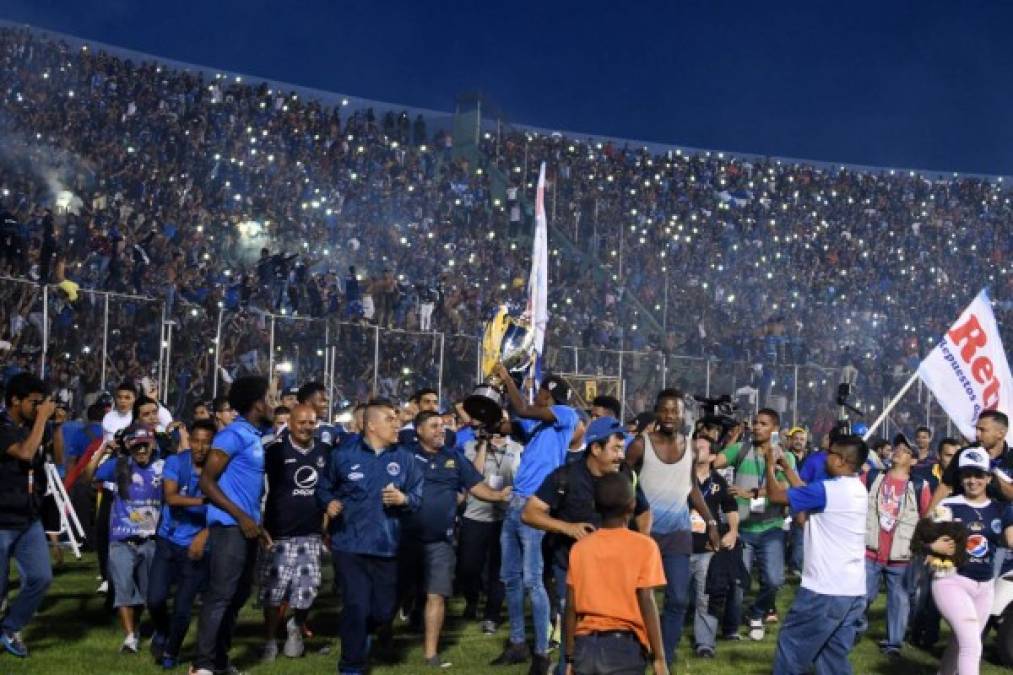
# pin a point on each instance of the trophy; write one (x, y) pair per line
(509, 341)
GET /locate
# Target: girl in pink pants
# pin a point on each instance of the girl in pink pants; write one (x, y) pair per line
(964, 597)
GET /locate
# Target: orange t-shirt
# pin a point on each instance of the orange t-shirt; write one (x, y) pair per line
(606, 570)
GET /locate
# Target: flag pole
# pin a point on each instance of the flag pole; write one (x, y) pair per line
(891, 405)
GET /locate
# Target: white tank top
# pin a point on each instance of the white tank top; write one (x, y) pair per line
(667, 487)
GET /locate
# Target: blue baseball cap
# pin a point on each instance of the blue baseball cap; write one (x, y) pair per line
(601, 429)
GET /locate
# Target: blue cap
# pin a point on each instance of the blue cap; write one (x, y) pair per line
(601, 429)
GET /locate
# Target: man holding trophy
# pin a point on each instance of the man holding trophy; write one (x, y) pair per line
(546, 427)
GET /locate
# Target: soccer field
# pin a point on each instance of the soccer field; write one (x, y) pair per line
(74, 634)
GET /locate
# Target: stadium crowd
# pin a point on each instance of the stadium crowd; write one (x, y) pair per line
(211, 191)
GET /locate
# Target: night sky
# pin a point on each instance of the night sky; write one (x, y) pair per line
(925, 85)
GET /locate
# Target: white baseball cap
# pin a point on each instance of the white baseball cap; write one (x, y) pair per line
(974, 458)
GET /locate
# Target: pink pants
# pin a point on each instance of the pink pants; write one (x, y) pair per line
(965, 605)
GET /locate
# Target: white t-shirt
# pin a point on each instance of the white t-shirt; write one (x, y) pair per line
(834, 534)
(114, 420)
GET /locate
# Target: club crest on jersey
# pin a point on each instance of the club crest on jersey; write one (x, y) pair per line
(320, 462)
(449, 464)
(394, 469)
(977, 546)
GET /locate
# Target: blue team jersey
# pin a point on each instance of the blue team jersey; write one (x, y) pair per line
(242, 481)
(545, 450)
(134, 515)
(181, 524)
(445, 474)
(985, 526)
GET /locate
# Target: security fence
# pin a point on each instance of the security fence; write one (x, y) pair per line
(85, 342)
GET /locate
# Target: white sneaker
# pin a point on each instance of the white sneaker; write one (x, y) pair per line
(756, 629)
(200, 671)
(293, 642)
(130, 644)
(270, 652)
(103, 588)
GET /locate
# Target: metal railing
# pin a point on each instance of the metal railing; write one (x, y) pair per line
(90, 342)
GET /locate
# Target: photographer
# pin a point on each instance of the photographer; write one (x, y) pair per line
(496, 458)
(22, 486)
(133, 519)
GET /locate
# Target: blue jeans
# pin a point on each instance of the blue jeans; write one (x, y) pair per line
(610, 653)
(673, 614)
(898, 599)
(30, 551)
(559, 578)
(765, 549)
(819, 629)
(173, 567)
(231, 560)
(521, 570)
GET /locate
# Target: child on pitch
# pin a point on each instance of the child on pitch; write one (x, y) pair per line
(611, 623)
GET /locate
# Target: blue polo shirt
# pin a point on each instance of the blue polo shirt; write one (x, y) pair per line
(356, 475)
(242, 481)
(814, 467)
(545, 450)
(181, 524)
(445, 474)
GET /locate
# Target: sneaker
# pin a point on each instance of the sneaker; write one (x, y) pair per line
(513, 654)
(437, 662)
(771, 617)
(540, 665)
(200, 671)
(13, 643)
(891, 652)
(294, 647)
(130, 644)
(270, 652)
(704, 652)
(168, 663)
(103, 588)
(488, 627)
(734, 637)
(756, 630)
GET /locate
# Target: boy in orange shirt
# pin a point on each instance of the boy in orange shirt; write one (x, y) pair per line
(611, 621)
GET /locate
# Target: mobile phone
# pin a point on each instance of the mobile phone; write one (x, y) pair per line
(775, 438)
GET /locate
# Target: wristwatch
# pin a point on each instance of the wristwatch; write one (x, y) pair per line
(569, 659)
(712, 523)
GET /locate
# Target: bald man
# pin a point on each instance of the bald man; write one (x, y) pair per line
(290, 570)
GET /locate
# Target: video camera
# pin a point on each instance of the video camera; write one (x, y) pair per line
(844, 425)
(721, 411)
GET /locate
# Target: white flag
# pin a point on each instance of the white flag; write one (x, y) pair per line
(538, 282)
(968, 371)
